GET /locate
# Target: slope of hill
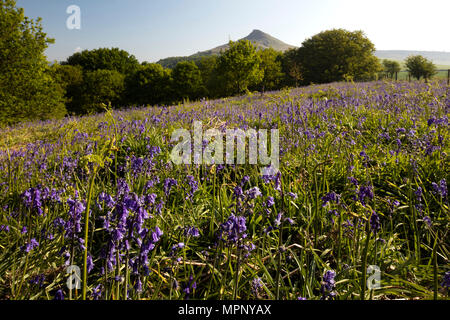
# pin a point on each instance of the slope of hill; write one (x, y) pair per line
(260, 39)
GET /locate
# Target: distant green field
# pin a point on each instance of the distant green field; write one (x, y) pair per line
(441, 74)
(403, 75)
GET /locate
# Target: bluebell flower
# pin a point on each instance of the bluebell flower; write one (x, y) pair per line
(90, 263)
(427, 220)
(29, 246)
(193, 186)
(253, 193)
(418, 194)
(365, 192)
(168, 184)
(97, 292)
(189, 287)
(446, 280)
(292, 195)
(331, 197)
(375, 224)
(59, 295)
(191, 231)
(441, 188)
(256, 286)
(270, 202)
(328, 284)
(234, 229)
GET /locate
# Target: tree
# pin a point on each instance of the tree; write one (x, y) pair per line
(210, 76)
(70, 78)
(104, 59)
(291, 68)
(187, 80)
(150, 84)
(271, 69)
(99, 87)
(337, 55)
(419, 67)
(391, 67)
(27, 89)
(239, 67)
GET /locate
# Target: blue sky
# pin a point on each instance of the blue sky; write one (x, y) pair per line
(155, 29)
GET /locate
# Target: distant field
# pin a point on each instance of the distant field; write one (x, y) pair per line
(403, 75)
(442, 73)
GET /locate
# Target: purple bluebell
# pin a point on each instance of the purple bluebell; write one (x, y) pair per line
(59, 295)
(192, 232)
(365, 192)
(446, 280)
(441, 188)
(31, 245)
(193, 187)
(269, 202)
(234, 229)
(256, 286)
(253, 193)
(168, 184)
(328, 284)
(97, 292)
(331, 197)
(375, 224)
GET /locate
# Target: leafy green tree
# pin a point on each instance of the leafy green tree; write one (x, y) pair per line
(292, 71)
(70, 78)
(187, 80)
(104, 59)
(271, 68)
(150, 84)
(239, 67)
(391, 67)
(420, 67)
(99, 87)
(27, 88)
(210, 76)
(337, 55)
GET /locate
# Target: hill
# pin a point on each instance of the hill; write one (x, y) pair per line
(260, 39)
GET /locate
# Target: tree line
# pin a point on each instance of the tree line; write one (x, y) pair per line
(418, 66)
(32, 88)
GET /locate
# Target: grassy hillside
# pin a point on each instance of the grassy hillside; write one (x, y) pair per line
(362, 181)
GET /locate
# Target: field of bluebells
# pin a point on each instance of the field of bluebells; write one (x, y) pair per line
(363, 182)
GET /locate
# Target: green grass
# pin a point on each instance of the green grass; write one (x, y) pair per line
(323, 131)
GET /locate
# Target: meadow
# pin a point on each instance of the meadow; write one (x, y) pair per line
(363, 182)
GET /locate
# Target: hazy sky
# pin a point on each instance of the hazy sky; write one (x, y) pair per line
(154, 29)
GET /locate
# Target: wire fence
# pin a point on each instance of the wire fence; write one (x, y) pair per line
(406, 75)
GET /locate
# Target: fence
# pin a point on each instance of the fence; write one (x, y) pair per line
(405, 75)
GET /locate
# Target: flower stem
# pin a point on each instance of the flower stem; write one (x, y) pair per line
(86, 233)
